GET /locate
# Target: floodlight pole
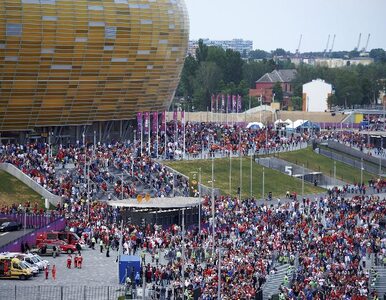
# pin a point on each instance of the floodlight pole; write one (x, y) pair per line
(252, 154)
(334, 173)
(230, 172)
(213, 210)
(219, 275)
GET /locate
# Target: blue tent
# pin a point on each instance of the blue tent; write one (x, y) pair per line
(129, 265)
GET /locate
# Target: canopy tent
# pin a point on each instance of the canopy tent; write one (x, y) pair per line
(255, 125)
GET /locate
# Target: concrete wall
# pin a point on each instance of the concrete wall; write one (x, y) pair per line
(28, 181)
(294, 170)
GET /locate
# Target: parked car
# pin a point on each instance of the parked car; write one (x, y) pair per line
(10, 226)
(12, 268)
(46, 250)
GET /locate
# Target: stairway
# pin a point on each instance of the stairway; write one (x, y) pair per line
(274, 281)
(378, 280)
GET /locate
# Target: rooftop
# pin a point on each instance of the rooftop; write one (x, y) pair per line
(278, 76)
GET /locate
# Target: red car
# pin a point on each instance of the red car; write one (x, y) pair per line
(62, 245)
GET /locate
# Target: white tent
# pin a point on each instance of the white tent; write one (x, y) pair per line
(278, 121)
(298, 123)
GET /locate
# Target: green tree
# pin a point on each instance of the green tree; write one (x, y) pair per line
(201, 51)
(379, 55)
(253, 70)
(233, 67)
(207, 82)
(297, 103)
(277, 91)
(186, 84)
(279, 52)
(258, 54)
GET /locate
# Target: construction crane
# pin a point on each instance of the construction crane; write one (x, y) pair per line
(359, 42)
(325, 49)
(332, 46)
(367, 44)
(300, 41)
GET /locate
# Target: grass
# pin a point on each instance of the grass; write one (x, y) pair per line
(275, 182)
(14, 191)
(320, 163)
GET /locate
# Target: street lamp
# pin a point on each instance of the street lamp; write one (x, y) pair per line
(263, 182)
(361, 170)
(241, 166)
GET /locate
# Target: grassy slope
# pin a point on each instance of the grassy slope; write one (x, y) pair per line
(320, 163)
(275, 182)
(14, 191)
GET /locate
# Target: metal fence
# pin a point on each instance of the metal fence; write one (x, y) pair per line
(61, 292)
(30, 220)
(348, 160)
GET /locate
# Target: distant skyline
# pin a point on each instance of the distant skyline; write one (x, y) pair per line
(279, 23)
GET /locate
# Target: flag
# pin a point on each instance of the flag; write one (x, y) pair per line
(233, 103)
(163, 120)
(212, 103)
(239, 103)
(182, 116)
(139, 122)
(217, 101)
(229, 105)
(155, 122)
(222, 102)
(147, 123)
(175, 116)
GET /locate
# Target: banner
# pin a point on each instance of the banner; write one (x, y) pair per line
(175, 116)
(163, 120)
(212, 103)
(139, 122)
(182, 116)
(229, 106)
(146, 122)
(222, 103)
(239, 103)
(155, 122)
(217, 101)
(234, 103)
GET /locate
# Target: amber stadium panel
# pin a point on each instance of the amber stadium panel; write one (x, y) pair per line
(73, 62)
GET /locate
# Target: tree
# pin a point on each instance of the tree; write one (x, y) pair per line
(233, 66)
(297, 103)
(277, 91)
(279, 52)
(207, 82)
(379, 55)
(252, 71)
(201, 51)
(186, 84)
(258, 54)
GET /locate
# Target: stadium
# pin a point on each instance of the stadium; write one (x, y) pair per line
(66, 64)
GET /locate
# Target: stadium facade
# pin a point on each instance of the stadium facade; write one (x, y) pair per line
(69, 63)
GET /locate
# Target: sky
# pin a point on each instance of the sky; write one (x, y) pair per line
(272, 24)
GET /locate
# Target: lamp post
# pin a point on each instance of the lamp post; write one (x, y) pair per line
(213, 210)
(303, 183)
(219, 274)
(361, 170)
(122, 186)
(241, 167)
(183, 253)
(263, 182)
(252, 154)
(334, 173)
(230, 172)
(199, 203)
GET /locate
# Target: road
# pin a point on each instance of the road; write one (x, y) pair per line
(9, 236)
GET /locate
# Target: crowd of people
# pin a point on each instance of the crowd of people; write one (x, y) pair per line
(328, 240)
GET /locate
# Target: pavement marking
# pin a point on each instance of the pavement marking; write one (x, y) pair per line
(4, 233)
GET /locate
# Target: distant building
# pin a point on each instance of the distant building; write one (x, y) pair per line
(333, 62)
(238, 45)
(265, 84)
(315, 95)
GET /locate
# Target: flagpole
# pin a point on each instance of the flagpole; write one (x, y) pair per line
(149, 134)
(157, 136)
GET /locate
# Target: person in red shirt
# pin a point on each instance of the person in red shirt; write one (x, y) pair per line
(46, 271)
(69, 260)
(53, 272)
